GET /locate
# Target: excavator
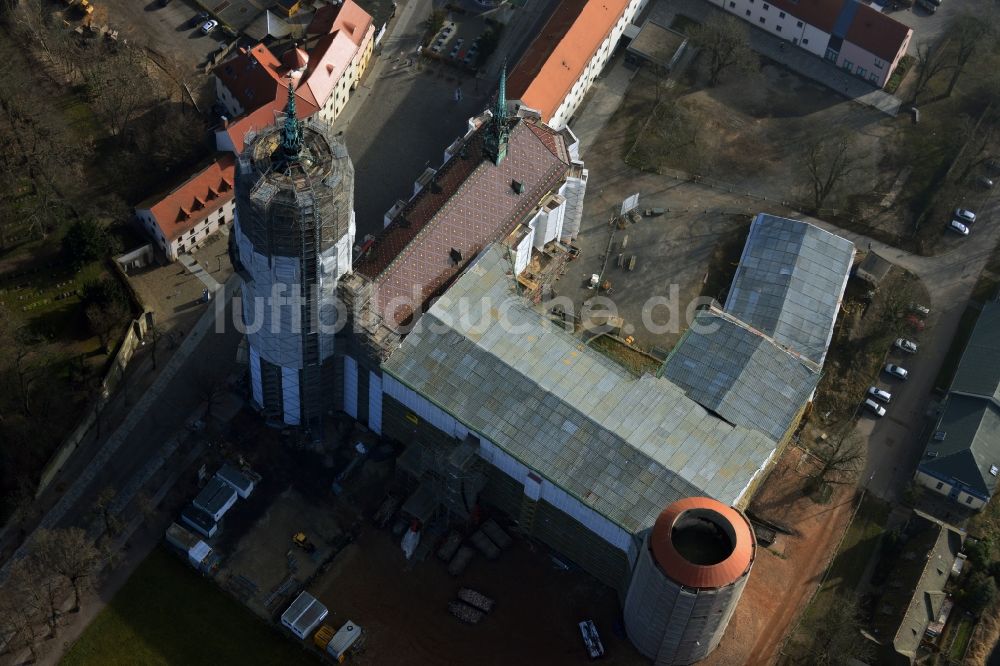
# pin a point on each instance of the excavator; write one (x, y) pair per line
(302, 541)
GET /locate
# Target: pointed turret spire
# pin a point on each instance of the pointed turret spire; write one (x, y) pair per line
(501, 111)
(291, 133)
(498, 132)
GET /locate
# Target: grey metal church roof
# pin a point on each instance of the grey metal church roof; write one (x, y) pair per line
(623, 445)
(790, 281)
(741, 375)
(979, 370)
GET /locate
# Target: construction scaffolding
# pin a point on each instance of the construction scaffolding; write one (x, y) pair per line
(293, 240)
(454, 477)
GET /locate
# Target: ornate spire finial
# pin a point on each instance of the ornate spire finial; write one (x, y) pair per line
(498, 132)
(291, 133)
(502, 93)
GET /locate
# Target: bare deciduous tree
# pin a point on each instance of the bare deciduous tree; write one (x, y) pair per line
(836, 638)
(66, 552)
(968, 34)
(830, 160)
(840, 458)
(931, 60)
(726, 40)
(118, 85)
(102, 507)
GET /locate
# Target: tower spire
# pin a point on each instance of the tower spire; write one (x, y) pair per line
(498, 132)
(291, 132)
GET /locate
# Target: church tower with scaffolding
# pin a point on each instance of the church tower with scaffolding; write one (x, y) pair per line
(292, 241)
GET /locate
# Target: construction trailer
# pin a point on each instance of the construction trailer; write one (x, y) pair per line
(237, 480)
(198, 554)
(199, 521)
(304, 615)
(216, 498)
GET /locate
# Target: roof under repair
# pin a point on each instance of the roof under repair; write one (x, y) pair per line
(625, 446)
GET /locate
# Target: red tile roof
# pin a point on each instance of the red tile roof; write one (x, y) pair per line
(259, 81)
(877, 33)
(265, 116)
(195, 199)
(349, 17)
(720, 574)
(252, 76)
(560, 53)
(470, 204)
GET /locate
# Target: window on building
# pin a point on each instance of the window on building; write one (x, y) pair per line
(968, 500)
(766, 6)
(732, 5)
(781, 14)
(939, 486)
(798, 24)
(748, 12)
(778, 28)
(805, 41)
(879, 63)
(763, 20)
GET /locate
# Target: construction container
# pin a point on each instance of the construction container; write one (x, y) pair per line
(345, 638)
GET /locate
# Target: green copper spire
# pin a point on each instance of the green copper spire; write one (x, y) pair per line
(291, 133)
(498, 132)
(501, 112)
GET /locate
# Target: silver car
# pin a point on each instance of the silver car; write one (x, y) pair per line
(879, 394)
(958, 228)
(896, 371)
(965, 215)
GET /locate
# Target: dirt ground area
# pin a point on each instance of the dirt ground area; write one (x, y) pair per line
(785, 575)
(753, 132)
(403, 607)
(266, 563)
(672, 258)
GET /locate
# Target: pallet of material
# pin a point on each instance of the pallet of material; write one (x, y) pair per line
(449, 546)
(465, 612)
(476, 599)
(496, 534)
(461, 560)
(485, 546)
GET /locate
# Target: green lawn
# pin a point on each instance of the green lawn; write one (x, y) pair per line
(168, 614)
(963, 632)
(858, 547)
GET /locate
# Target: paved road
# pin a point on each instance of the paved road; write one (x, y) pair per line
(208, 354)
(404, 115)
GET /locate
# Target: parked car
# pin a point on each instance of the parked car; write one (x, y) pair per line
(965, 215)
(457, 47)
(874, 407)
(919, 309)
(879, 394)
(915, 322)
(896, 371)
(209, 26)
(929, 5)
(983, 181)
(958, 228)
(908, 346)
